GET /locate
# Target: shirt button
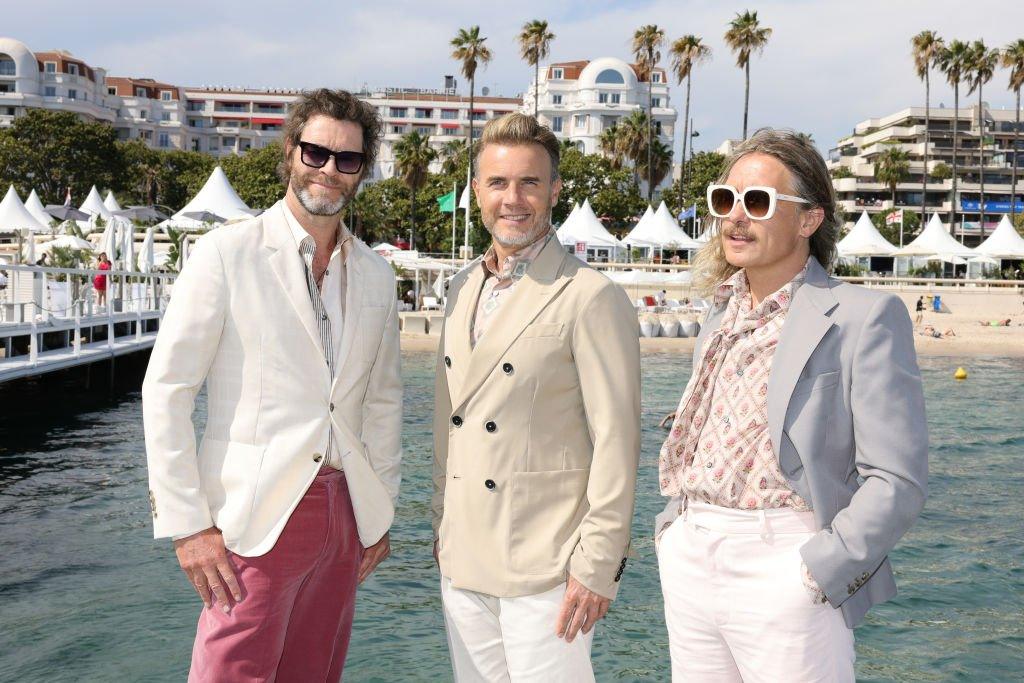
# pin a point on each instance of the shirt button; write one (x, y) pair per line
(323, 317)
(491, 427)
(490, 484)
(447, 361)
(457, 421)
(507, 368)
(317, 457)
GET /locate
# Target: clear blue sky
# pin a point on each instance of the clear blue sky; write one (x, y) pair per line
(829, 64)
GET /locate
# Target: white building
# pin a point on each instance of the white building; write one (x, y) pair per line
(580, 100)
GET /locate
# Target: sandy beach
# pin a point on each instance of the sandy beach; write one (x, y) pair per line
(967, 310)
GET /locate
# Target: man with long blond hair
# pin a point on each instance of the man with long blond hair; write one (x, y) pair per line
(799, 452)
(536, 431)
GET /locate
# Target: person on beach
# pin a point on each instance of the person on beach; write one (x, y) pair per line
(291, 322)
(99, 281)
(919, 314)
(799, 452)
(536, 431)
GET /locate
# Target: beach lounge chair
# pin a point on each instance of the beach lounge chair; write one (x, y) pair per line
(430, 303)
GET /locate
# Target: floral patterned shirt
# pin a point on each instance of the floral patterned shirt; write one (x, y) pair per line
(500, 282)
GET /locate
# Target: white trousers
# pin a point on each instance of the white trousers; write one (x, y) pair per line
(512, 640)
(736, 607)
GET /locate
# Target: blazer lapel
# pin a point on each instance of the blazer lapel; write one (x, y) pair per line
(286, 263)
(462, 305)
(806, 323)
(531, 295)
(353, 307)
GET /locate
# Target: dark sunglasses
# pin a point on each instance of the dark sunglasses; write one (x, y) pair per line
(316, 156)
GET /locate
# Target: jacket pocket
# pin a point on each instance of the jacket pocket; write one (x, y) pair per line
(547, 508)
(816, 383)
(229, 471)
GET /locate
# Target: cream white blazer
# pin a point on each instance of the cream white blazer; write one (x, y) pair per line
(240, 320)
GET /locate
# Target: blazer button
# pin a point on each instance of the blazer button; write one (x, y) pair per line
(507, 368)
(491, 427)
(447, 361)
(490, 484)
(317, 457)
(332, 407)
(456, 420)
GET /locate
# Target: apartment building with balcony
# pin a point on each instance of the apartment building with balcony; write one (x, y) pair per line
(985, 148)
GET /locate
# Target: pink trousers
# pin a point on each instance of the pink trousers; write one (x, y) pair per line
(295, 617)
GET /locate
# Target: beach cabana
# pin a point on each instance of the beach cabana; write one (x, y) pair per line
(658, 230)
(36, 208)
(93, 205)
(1005, 243)
(111, 202)
(585, 227)
(216, 197)
(865, 242)
(14, 217)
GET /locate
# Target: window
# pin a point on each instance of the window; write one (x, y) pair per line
(73, 69)
(142, 114)
(656, 77)
(556, 99)
(140, 92)
(397, 130)
(655, 101)
(616, 98)
(195, 123)
(164, 140)
(165, 95)
(580, 121)
(398, 112)
(50, 67)
(424, 113)
(611, 76)
(602, 98)
(657, 127)
(477, 133)
(557, 73)
(7, 66)
(228, 142)
(479, 115)
(72, 94)
(449, 113)
(111, 90)
(165, 116)
(49, 91)
(424, 130)
(556, 124)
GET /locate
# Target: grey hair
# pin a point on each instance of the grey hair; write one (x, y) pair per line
(811, 181)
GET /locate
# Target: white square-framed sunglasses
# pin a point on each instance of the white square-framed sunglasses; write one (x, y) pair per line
(758, 201)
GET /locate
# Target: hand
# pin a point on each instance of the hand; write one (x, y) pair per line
(204, 560)
(581, 607)
(373, 556)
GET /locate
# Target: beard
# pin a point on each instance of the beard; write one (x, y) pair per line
(516, 240)
(319, 206)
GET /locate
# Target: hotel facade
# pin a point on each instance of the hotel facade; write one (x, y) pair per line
(984, 147)
(578, 100)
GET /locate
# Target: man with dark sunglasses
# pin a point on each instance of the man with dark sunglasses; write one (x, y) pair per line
(291, 323)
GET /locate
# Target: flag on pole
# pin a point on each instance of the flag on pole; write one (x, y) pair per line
(446, 203)
(67, 197)
(894, 217)
(464, 199)
(691, 212)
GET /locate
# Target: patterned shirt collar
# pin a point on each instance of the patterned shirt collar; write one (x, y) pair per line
(739, 287)
(515, 265)
(307, 245)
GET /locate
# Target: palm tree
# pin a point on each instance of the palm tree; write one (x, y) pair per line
(661, 162)
(953, 60)
(451, 153)
(980, 68)
(926, 47)
(471, 51)
(646, 43)
(745, 37)
(632, 131)
(687, 52)
(891, 168)
(413, 155)
(534, 40)
(1013, 59)
(610, 144)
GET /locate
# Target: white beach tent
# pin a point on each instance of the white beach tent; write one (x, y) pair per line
(14, 217)
(864, 240)
(1004, 242)
(566, 227)
(216, 196)
(93, 205)
(935, 241)
(585, 227)
(111, 202)
(659, 230)
(35, 207)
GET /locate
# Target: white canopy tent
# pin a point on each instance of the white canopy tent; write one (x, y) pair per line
(658, 230)
(111, 202)
(14, 217)
(1004, 242)
(93, 205)
(36, 208)
(216, 196)
(933, 241)
(864, 240)
(585, 227)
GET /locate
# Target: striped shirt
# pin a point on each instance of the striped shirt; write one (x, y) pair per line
(328, 303)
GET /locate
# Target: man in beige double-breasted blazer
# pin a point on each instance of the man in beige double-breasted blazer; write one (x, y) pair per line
(536, 431)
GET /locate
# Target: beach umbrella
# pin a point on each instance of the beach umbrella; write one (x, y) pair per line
(146, 258)
(108, 241)
(141, 213)
(182, 252)
(203, 216)
(30, 248)
(127, 243)
(66, 213)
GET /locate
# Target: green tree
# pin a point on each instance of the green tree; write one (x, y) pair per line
(745, 37)
(686, 53)
(469, 49)
(926, 47)
(613, 193)
(1013, 58)
(841, 172)
(941, 171)
(911, 227)
(980, 67)
(534, 43)
(647, 41)
(702, 170)
(610, 144)
(661, 159)
(954, 61)
(413, 156)
(53, 150)
(632, 131)
(254, 175)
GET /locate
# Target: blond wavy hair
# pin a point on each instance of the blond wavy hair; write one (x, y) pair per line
(811, 181)
(515, 129)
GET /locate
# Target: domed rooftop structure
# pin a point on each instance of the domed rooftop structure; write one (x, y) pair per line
(19, 65)
(607, 71)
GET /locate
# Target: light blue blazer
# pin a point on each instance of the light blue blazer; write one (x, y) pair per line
(847, 420)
